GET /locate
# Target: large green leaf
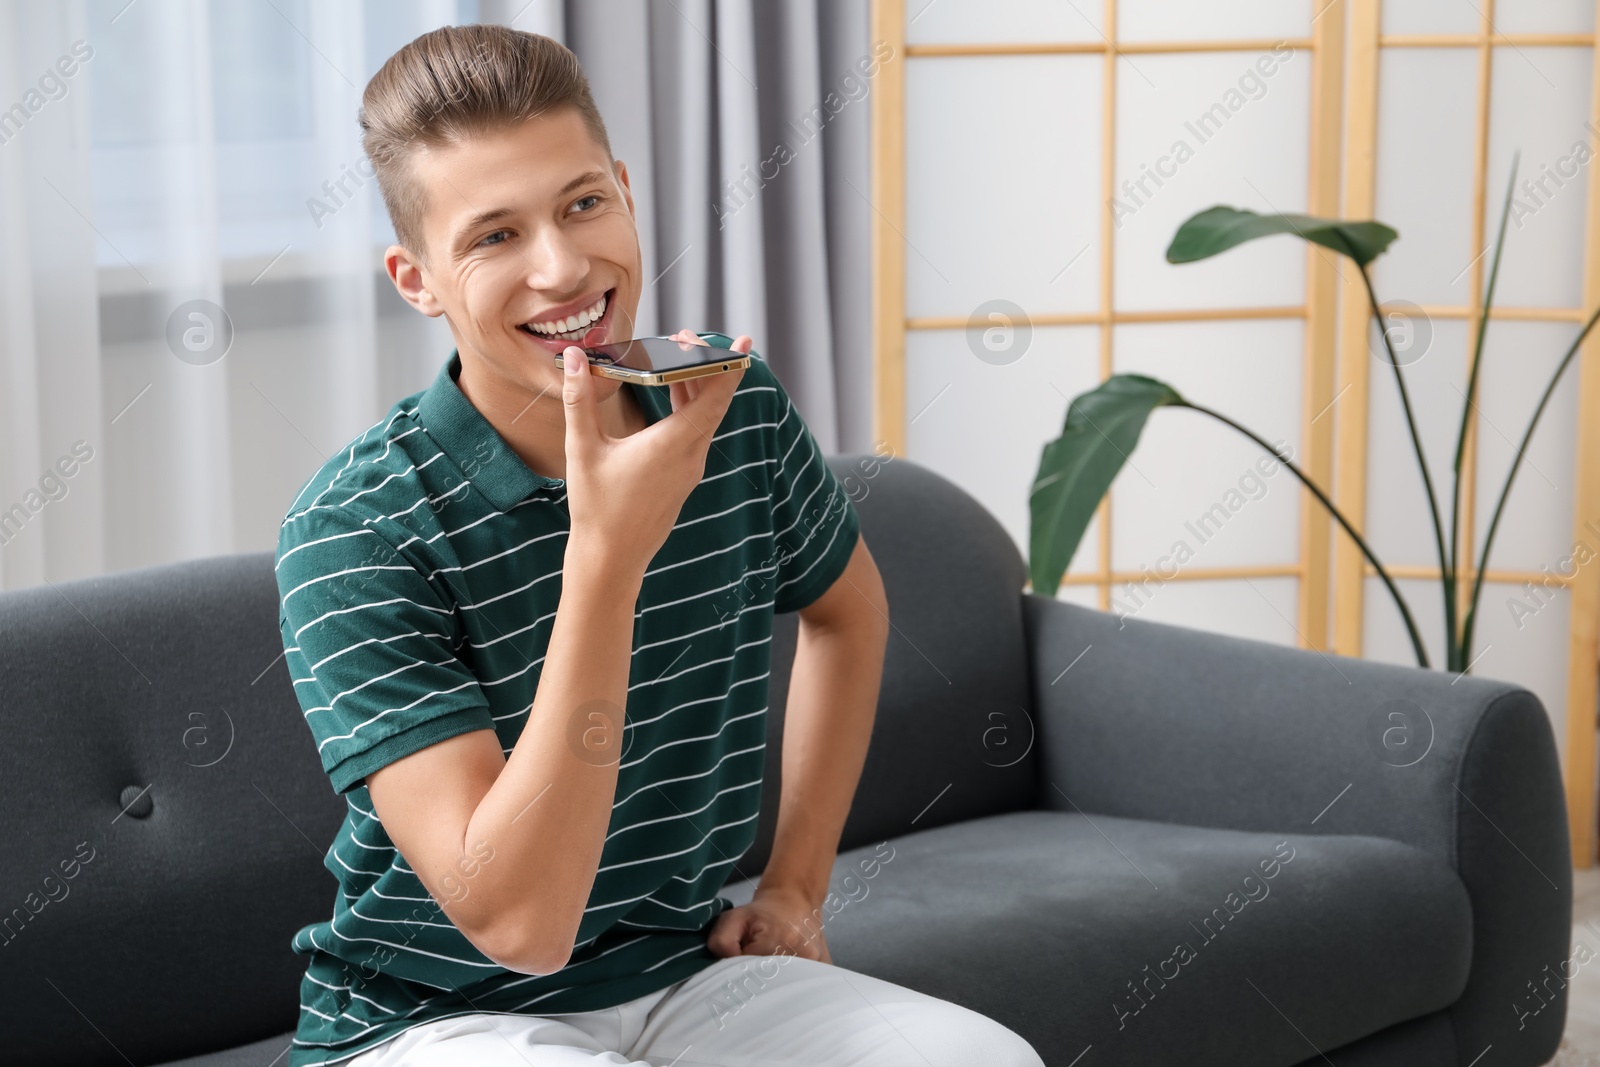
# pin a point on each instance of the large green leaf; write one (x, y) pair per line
(1077, 468)
(1220, 228)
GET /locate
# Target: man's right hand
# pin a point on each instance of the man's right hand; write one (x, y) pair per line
(624, 494)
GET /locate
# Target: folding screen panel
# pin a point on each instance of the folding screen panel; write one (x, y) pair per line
(1032, 160)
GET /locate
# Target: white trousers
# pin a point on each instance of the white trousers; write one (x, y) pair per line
(740, 1011)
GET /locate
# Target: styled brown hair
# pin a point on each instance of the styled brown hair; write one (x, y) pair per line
(455, 82)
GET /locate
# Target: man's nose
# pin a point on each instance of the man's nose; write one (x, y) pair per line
(555, 261)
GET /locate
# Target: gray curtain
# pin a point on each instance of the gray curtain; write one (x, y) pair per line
(744, 125)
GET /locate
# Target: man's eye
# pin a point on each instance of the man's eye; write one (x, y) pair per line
(591, 196)
(496, 237)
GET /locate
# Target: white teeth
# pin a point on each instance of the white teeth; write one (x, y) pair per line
(571, 323)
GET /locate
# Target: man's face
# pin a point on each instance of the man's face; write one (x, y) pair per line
(524, 226)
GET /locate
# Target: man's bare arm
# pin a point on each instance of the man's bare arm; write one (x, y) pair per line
(543, 812)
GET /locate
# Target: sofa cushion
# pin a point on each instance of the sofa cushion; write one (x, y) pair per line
(273, 1052)
(1154, 942)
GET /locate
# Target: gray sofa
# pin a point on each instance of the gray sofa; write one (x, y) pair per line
(1366, 864)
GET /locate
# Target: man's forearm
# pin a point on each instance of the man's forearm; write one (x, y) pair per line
(833, 699)
(548, 810)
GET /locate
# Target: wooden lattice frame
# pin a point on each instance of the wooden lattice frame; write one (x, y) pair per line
(1344, 75)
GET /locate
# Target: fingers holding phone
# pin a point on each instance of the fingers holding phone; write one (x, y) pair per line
(684, 391)
(624, 494)
(577, 396)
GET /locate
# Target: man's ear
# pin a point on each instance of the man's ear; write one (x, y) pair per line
(621, 170)
(405, 270)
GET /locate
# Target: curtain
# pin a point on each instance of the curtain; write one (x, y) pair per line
(49, 353)
(193, 312)
(753, 119)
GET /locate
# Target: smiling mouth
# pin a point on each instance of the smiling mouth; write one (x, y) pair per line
(584, 336)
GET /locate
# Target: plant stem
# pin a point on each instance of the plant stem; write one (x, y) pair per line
(1399, 601)
(1422, 460)
(1456, 655)
(1505, 493)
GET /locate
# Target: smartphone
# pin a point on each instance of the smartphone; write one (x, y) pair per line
(659, 360)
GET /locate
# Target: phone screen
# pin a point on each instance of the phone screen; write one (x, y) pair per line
(656, 354)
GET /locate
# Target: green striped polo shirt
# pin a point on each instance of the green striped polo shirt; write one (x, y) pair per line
(418, 576)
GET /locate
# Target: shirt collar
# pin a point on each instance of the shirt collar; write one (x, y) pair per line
(464, 435)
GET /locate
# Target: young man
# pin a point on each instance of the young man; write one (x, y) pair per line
(528, 615)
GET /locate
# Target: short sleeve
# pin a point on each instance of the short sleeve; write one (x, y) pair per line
(814, 522)
(370, 646)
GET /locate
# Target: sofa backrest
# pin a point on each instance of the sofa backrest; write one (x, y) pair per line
(953, 739)
(166, 816)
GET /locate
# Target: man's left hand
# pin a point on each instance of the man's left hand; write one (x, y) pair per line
(775, 922)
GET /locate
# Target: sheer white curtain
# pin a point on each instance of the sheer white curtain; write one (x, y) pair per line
(49, 355)
(193, 314)
(200, 155)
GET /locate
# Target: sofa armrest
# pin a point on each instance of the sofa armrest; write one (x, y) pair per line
(1161, 722)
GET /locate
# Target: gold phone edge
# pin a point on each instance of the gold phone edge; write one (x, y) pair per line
(667, 377)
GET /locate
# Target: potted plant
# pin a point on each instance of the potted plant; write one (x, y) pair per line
(1103, 424)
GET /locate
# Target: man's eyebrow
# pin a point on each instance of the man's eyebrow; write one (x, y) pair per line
(582, 179)
(496, 214)
(482, 218)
